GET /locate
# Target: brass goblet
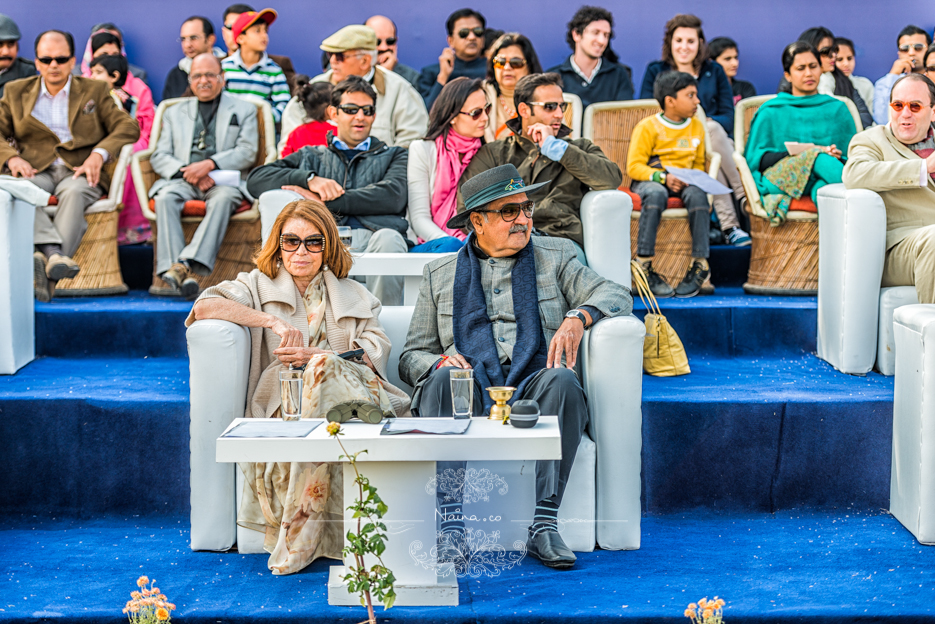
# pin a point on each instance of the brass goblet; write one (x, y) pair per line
(500, 394)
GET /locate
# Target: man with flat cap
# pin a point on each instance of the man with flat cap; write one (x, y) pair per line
(12, 67)
(512, 307)
(401, 115)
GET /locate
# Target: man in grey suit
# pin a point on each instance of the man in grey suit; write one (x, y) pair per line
(514, 309)
(212, 131)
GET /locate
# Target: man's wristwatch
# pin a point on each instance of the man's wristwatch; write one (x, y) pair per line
(578, 314)
(659, 176)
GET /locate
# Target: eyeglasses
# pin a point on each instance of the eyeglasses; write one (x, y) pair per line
(477, 112)
(918, 47)
(197, 77)
(828, 51)
(914, 107)
(501, 61)
(369, 110)
(192, 38)
(478, 32)
(509, 212)
(340, 57)
(550, 106)
(389, 41)
(47, 60)
(291, 242)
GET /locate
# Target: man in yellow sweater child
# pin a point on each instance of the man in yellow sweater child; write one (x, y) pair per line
(673, 138)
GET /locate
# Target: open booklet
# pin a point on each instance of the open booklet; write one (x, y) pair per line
(442, 426)
(273, 428)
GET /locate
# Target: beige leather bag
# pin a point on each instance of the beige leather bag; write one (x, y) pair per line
(663, 353)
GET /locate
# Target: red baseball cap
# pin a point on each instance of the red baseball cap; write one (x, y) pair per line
(248, 19)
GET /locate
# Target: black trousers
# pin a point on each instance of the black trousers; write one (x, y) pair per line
(557, 391)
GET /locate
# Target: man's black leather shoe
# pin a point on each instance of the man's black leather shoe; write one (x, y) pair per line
(549, 548)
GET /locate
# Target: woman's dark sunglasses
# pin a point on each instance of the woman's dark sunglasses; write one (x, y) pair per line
(476, 113)
(464, 32)
(829, 51)
(291, 242)
(501, 61)
(550, 106)
(47, 60)
(351, 109)
(509, 212)
(898, 106)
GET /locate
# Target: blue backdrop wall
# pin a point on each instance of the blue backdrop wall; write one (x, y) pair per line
(761, 27)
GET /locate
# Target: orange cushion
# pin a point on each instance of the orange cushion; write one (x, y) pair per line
(804, 204)
(197, 208)
(53, 200)
(674, 202)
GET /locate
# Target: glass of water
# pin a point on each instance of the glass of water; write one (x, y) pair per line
(290, 392)
(346, 234)
(462, 392)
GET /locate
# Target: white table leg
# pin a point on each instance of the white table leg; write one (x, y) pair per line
(411, 289)
(410, 518)
(17, 299)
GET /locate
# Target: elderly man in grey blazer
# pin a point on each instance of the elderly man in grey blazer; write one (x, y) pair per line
(211, 132)
(512, 307)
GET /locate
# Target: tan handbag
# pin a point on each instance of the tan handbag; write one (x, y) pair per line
(663, 353)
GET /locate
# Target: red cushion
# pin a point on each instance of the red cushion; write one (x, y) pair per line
(804, 204)
(53, 201)
(196, 208)
(674, 202)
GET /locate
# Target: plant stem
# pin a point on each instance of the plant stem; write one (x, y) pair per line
(371, 617)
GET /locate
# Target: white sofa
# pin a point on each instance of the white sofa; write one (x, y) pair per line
(855, 315)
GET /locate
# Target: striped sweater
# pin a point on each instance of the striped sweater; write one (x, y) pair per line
(265, 81)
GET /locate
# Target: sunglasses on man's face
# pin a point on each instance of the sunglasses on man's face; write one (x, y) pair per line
(313, 244)
(550, 106)
(478, 32)
(352, 109)
(914, 107)
(510, 211)
(389, 41)
(918, 47)
(501, 61)
(47, 60)
(340, 57)
(477, 112)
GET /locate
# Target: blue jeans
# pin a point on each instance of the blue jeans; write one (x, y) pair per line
(444, 244)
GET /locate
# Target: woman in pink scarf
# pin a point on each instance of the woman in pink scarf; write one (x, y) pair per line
(133, 226)
(456, 130)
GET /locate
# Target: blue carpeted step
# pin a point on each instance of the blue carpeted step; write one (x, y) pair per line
(802, 568)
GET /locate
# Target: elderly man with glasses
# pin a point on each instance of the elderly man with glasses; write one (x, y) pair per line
(213, 131)
(65, 129)
(464, 55)
(512, 308)
(911, 45)
(401, 116)
(197, 37)
(541, 149)
(388, 48)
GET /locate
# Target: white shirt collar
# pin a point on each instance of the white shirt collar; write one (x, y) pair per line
(578, 71)
(43, 90)
(370, 74)
(239, 60)
(363, 146)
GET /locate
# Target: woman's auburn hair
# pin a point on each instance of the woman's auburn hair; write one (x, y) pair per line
(334, 256)
(684, 20)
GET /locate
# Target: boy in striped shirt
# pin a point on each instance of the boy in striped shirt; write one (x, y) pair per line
(249, 72)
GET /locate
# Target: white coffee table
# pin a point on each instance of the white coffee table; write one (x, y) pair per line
(401, 466)
(407, 265)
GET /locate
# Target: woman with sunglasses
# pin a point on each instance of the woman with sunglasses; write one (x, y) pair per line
(456, 130)
(511, 57)
(801, 116)
(303, 312)
(684, 49)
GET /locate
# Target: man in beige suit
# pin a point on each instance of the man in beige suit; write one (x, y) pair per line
(898, 161)
(65, 129)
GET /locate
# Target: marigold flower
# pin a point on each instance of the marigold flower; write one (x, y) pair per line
(162, 614)
(143, 581)
(718, 602)
(333, 429)
(707, 613)
(136, 595)
(692, 606)
(689, 613)
(703, 602)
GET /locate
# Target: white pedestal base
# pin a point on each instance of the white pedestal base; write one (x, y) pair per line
(442, 593)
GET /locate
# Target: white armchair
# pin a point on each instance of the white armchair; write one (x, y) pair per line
(855, 315)
(602, 500)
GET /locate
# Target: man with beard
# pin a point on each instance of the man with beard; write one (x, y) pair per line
(12, 67)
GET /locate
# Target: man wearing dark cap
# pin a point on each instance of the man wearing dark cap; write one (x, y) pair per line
(12, 67)
(514, 309)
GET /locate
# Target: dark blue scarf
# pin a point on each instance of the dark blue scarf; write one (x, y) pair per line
(474, 336)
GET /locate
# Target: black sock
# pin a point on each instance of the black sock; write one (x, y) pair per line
(49, 249)
(546, 518)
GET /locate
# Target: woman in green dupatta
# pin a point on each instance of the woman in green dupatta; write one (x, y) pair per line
(803, 116)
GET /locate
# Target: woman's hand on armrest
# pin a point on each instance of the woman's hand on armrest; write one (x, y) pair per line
(227, 310)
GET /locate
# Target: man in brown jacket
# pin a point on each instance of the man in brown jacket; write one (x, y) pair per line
(540, 148)
(65, 129)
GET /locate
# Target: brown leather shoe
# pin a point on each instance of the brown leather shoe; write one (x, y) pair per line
(44, 289)
(180, 278)
(61, 267)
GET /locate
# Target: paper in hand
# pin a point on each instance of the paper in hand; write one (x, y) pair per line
(225, 177)
(700, 179)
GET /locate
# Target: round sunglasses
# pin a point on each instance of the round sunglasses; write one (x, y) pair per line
(291, 243)
(501, 61)
(898, 106)
(477, 112)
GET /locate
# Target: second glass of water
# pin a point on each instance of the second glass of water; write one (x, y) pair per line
(290, 391)
(346, 234)
(462, 392)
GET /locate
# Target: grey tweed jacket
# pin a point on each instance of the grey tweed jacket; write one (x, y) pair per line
(562, 282)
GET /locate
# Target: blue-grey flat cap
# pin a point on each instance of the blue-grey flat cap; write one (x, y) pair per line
(9, 31)
(485, 187)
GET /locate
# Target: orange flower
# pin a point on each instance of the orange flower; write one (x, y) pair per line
(146, 592)
(154, 591)
(162, 614)
(703, 602)
(136, 595)
(333, 429)
(718, 602)
(143, 581)
(693, 606)
(161, 597)
(689, 613)
(134, 608)
(170, 606)
(707, 613)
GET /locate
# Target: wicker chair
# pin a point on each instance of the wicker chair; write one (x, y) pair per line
(243, 232)
(610, 126)
(783, 259)
(573, 114)
(97, 255)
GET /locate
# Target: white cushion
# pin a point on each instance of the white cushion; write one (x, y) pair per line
(605, 220)
(890, 299)
(912, 480)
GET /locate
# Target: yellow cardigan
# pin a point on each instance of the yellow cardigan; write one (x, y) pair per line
(675, 146)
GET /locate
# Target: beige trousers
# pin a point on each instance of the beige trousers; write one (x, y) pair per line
(75, 196)
(727, 175)
(911, 262)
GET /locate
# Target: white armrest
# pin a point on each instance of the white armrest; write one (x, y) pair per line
(613, 380)
(219, 363)
(605, 219)
(851, 247)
